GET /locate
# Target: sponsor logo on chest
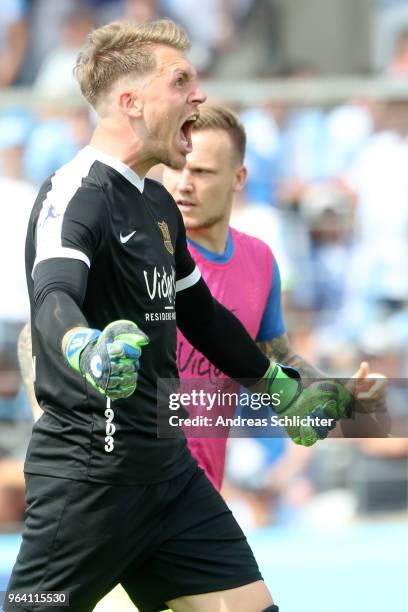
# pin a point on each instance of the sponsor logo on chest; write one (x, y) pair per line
(160, 285)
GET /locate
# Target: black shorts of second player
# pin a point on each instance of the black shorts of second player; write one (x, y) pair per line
(160, 541)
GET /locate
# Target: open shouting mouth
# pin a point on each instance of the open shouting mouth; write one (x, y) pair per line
(185, 133)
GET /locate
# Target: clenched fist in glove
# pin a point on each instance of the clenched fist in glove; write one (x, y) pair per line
(109, 360)
(325, 402)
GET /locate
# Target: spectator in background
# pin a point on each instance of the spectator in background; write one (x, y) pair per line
(302, 145)
(141, 10)
(379, 478)
(348, 127)
(320, 218)
(377, 287)
(257, 211)
(15, 416)
(54, 140)
(58, 133)
(55, 77)
(328, 208)
(304, 141)
(264, 155)
(251, 42)
(133, 10)
(106, 10)
(296, 156)
(389, 19)
(327, 211)
(13, 39)
(265, 223)
(209, 33)
(46, 20)
(303, 138)
(16, 202)
(398, 67)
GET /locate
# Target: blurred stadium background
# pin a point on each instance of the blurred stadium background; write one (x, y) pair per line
(322, 88)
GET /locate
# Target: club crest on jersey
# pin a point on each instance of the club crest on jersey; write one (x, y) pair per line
(164, 228)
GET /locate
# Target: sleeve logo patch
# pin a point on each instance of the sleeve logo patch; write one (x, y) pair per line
(48, 213)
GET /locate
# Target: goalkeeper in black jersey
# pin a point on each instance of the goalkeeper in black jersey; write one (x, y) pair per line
(108, 272)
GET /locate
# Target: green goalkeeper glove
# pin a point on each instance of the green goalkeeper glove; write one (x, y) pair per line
(285, 382)
(323, 401)
(109, 360)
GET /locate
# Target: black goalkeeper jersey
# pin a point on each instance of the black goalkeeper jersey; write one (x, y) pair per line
(131, 236)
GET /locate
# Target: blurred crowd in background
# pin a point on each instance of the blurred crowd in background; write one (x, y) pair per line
(327, 190)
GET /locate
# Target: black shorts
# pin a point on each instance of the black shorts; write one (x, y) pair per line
(159, 541)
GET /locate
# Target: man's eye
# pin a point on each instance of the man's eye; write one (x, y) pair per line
(180, 82)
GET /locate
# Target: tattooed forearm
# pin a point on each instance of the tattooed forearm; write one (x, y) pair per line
(280, 350)
(24, 351)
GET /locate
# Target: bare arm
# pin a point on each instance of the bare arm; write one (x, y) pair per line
(279, 349)
(24, 350)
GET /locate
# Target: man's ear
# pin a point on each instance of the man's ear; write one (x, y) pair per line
(130, 104)
(240, 178)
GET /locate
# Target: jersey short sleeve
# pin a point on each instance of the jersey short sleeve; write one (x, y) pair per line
(187, 273)
(272, 324)
(70, 225)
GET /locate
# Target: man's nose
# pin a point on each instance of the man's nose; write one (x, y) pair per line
(185, 183)
(198, 96)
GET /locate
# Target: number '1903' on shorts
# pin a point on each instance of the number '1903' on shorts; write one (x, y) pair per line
(159, 541)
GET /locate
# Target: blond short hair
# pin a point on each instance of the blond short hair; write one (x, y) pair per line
(220, 118)
(122, 48)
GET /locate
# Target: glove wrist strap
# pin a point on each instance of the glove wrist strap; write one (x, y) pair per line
(77, 342)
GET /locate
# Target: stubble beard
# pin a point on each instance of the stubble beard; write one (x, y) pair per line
(173, 163)
(169, 158)
(205, 224)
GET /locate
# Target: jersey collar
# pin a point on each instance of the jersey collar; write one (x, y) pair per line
(222, 258)
(117, 164)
